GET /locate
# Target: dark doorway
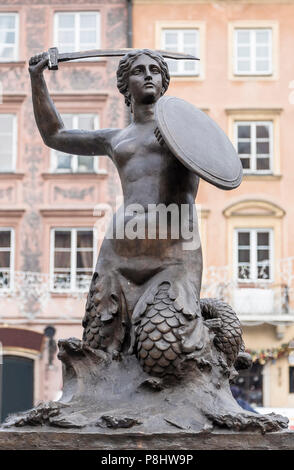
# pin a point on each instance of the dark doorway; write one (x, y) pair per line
(250, 384)
(17, 385)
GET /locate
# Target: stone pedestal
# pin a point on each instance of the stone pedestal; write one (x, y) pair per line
(49, 439)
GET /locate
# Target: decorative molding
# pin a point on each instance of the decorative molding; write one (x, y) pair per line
(11, 212)
(261, 177)
(13, 63)
(82, 63)
(101, 174)
(70, 212)
(13, 98)
(252, 208)
(79, 97)
(11, 176)
(232, 111)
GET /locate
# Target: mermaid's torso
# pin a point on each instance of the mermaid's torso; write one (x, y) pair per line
(128, 265)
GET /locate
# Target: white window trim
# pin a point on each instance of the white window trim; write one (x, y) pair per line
(73, 252)
(254, 24)
(16, 47)
(12, 257)
(14, 143)
(185, 24)
(181, 72)
(252, 46)
(253, 145)
(74, 159)
(77, 44)
(253, 252)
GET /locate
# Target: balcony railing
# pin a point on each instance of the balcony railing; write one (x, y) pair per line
(31, 291)
(262, 300)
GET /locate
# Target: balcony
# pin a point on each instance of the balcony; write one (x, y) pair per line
(255, 302)
(34, 295)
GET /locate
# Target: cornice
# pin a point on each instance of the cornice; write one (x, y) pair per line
(87, 211)
(253, 207)
(11, 176)
(11, 212)
(75, 176)
(79, 97)
(253, 110)
(13, 98)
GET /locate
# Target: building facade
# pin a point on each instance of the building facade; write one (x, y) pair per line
(244, 81)
(47, 215)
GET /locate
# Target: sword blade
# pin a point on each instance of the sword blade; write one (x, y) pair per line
(66, 56)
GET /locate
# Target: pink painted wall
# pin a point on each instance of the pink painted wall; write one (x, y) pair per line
(31, 198)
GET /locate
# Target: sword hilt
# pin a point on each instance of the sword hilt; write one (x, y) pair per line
(53, 58)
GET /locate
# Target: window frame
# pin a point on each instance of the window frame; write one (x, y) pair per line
(180, 64)
(73, 257)
(77, 47)
(253, 254)
(12, 258)
(17, 35)
(14, 142)
(185, 24)
(253, 157)
(254, 24)
(252, 57)
(74, 158)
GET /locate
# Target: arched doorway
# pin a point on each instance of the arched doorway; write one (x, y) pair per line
(17, 392)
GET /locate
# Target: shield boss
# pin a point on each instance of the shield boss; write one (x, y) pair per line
(198, 142)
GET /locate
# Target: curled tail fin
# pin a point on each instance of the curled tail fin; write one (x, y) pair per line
(228, 332)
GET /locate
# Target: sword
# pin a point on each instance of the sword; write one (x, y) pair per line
(55, 56)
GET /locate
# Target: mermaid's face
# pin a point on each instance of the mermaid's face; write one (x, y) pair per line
(145, 80)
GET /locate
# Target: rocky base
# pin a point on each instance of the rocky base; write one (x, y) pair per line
(104, 394)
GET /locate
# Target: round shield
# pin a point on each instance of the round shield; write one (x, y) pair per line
(198, 142)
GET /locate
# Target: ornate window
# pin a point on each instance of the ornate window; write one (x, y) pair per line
(6, 258)
(72, 258)
(63, 162)
(254, 142)
(253, 51)
(8, 138)
(77, 31)
(8, 37)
